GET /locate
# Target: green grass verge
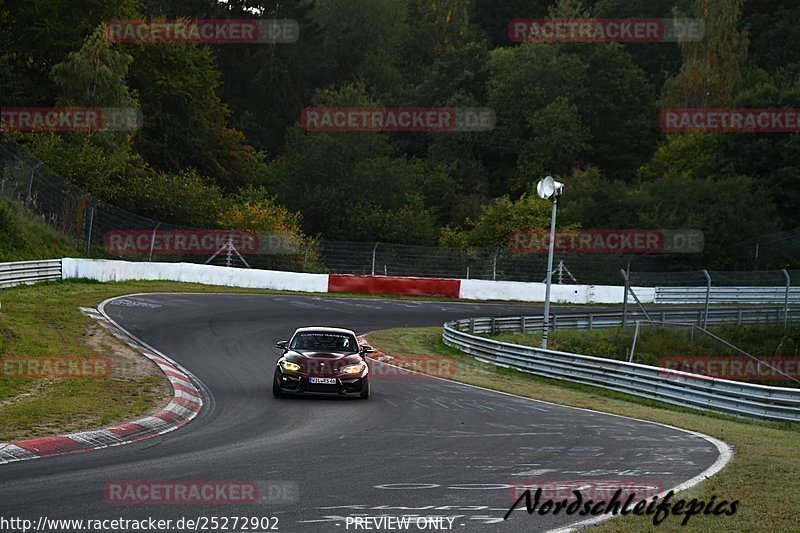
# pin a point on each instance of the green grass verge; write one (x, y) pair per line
(24, 237)
(764, 474)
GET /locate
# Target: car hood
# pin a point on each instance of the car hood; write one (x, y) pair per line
(321, 355)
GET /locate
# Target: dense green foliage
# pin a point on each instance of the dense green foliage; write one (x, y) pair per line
(225, 117)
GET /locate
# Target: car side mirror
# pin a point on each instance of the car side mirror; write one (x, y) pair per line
(283, 345)
(367, 349)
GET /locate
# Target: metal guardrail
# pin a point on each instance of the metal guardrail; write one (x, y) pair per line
(666, 385)
(718, 295)
(591, 320)
(27, 272)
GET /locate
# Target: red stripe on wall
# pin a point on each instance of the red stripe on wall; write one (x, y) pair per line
(448, 288)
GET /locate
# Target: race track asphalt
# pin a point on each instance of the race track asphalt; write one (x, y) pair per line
(417, 447)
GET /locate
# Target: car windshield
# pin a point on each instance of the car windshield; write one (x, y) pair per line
(324, 341)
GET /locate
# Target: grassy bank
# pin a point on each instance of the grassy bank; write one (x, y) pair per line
(764, 474)
(25, 237)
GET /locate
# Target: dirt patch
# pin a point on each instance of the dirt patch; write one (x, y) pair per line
(129, 365)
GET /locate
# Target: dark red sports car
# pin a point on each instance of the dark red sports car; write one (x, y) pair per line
(321, 360)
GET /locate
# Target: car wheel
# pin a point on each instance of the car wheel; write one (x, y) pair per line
(276, 385)
(365, 389)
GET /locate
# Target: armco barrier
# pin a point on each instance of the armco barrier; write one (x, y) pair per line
(448, 288)
(26, 272)
(724, 295)
(599, 320)
(666, 385)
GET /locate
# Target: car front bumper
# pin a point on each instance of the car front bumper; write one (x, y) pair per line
(301, 384)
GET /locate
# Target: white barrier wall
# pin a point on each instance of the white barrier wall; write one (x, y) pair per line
(476, 289)
(471, 289)
(107, 270)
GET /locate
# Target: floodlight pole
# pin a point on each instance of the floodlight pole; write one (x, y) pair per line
(546, 321)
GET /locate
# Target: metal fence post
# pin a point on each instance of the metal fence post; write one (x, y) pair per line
(374, 252)
(153, 242)
(786, 300)
(494, 263)
(633, 344)
(625, 297)
(708, 297)
(305, 256)
(91, 224)
(522, 324)
(30, 180)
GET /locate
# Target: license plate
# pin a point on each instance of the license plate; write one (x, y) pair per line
(323, 381)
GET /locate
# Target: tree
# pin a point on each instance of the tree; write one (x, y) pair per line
(727, 210)
(362, 41)
(267, 85)
(182, 197)
(435, 27)
(185, 122)
(695, 155)
(594, 201)
(497, 220)
(774, 35)
(94, 76)
(353, 185)
(659, 61)
(493, 16)
(618, 108)
(530, 84)
(774, 158)
(711, 69)
(38, 34)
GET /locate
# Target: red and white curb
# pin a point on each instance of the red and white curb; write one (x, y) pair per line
(376, 355)
(186, 403)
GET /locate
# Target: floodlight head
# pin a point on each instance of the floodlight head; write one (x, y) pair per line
(548, 187)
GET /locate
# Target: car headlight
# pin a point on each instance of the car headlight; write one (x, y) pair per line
(352, 369)
(289, 366)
